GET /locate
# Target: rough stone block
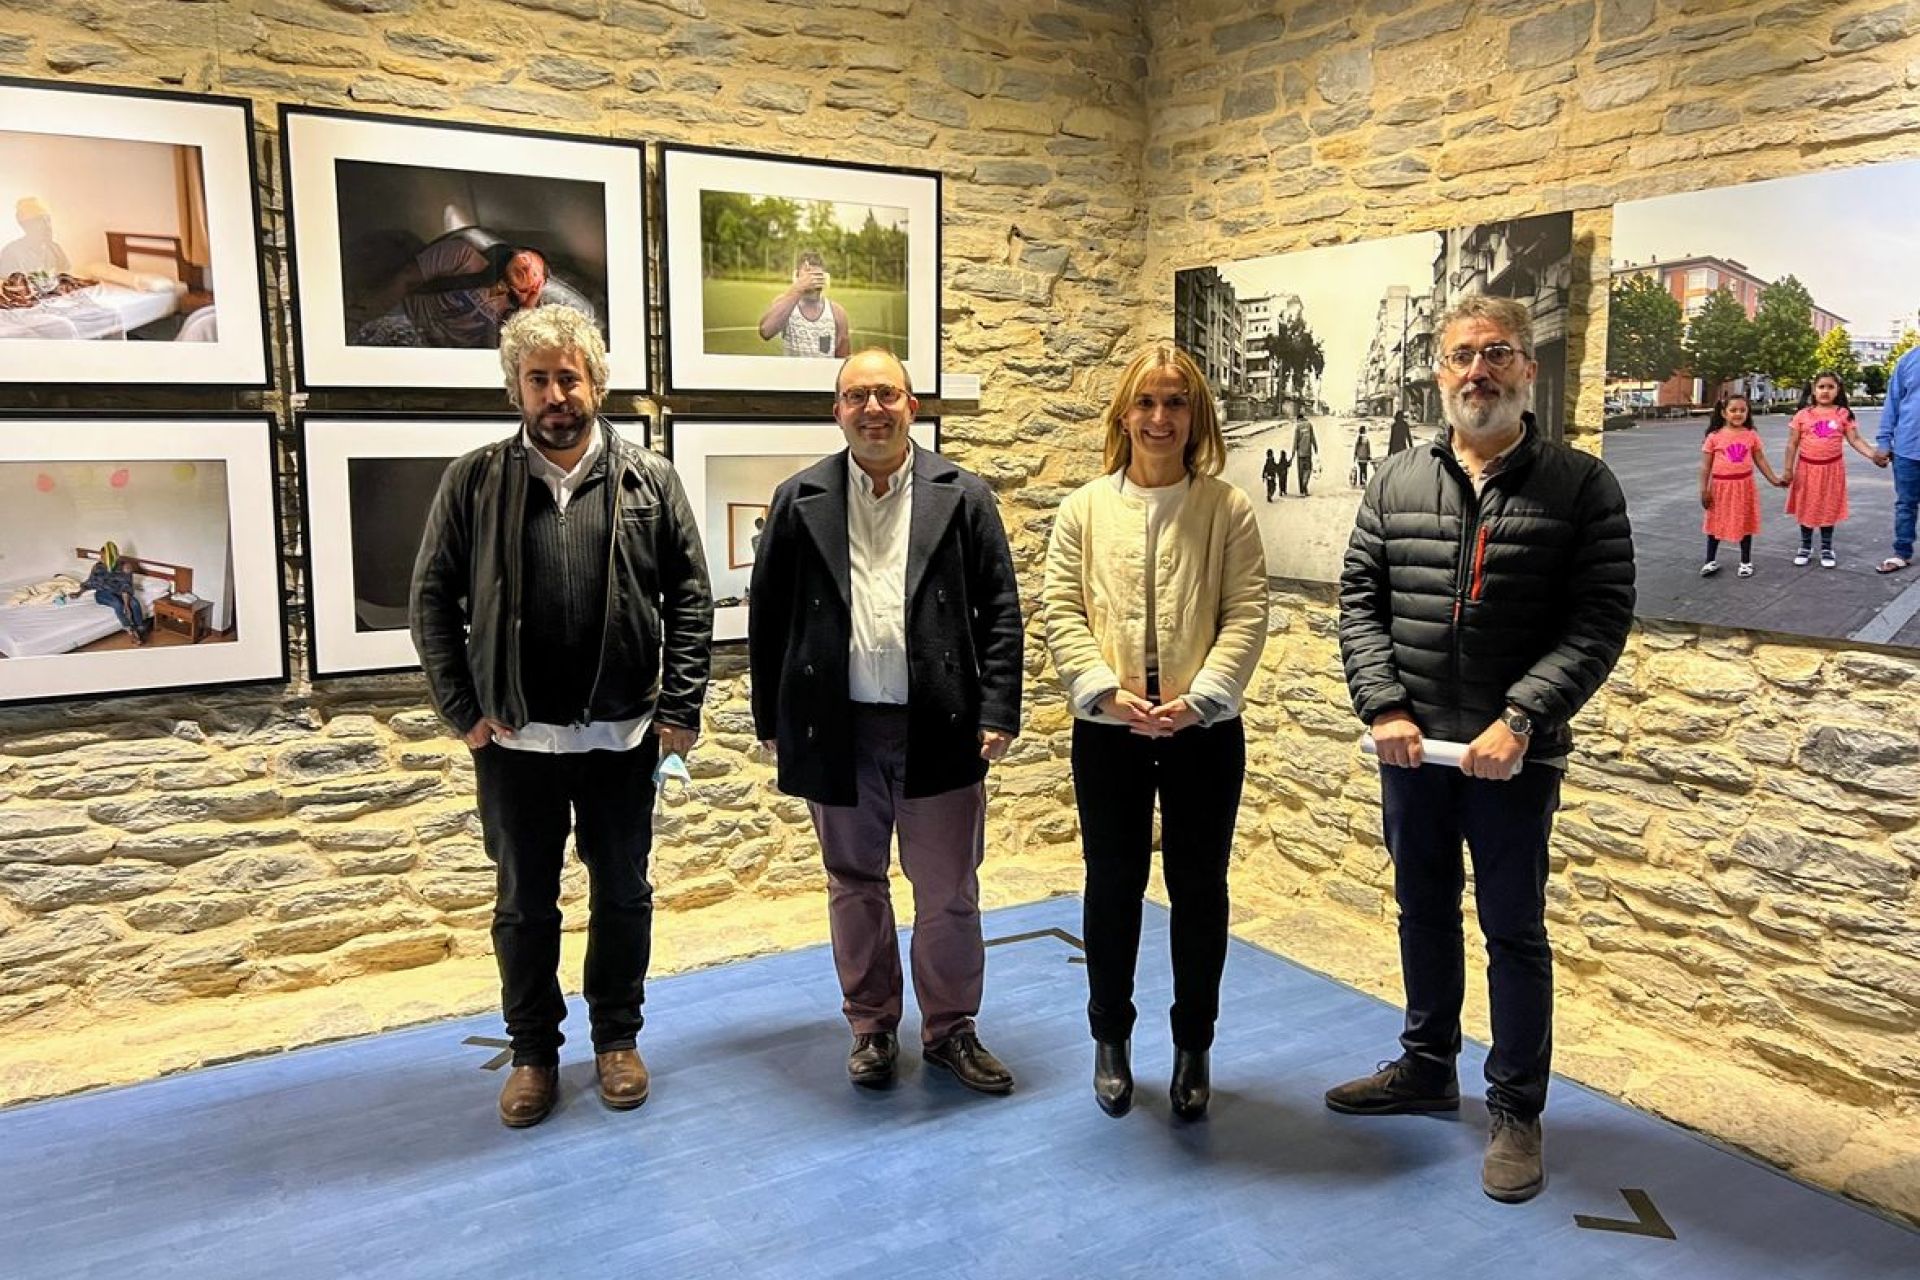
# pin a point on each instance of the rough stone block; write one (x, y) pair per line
(190, 914)
(1847, 1001)
(250, 872)
(39, 821)
(529, 102)
(1879, 761)
(80, 930)
(424, 44)
(1821, 865)
(54, 888)
(1882, 26)
(1549, 39)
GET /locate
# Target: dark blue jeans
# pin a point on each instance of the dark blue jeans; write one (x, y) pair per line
(528, 802)
(1427, 813)
(1906, 502)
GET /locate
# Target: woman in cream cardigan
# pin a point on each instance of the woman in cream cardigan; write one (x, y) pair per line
(1156, 610)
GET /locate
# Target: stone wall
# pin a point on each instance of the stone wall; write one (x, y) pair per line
(188, 878)
(1734, 902)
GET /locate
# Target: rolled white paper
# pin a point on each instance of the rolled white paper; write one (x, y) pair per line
(1436, 751)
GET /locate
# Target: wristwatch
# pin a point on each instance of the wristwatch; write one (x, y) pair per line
(1518, 722)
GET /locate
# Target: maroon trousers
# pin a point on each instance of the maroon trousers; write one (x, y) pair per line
(942, 840)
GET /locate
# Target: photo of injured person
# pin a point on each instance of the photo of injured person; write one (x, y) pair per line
(103, 239)
(442, 257)
(104, 556)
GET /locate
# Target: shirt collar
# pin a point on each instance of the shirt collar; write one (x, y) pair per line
(1498, 462)
(863, 483)
(547, 469)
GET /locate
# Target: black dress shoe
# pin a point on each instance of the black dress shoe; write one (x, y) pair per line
(1113, 1077)
(1192, 1086)
(871, 1062)
(971, 1064)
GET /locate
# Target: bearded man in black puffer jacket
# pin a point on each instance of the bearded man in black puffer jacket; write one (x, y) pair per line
(1487, 592)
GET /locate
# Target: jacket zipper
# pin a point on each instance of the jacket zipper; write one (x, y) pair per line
(614, 481)
(1479, 563)
(517, 505)
(1466, 579)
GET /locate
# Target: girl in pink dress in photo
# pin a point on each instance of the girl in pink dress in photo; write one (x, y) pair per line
(1816, 468)
(1727, 460)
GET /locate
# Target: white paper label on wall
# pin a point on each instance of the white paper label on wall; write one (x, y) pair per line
(959, 386)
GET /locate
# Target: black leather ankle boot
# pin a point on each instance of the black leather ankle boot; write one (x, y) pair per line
(1192, 1086)
(1113, 1077)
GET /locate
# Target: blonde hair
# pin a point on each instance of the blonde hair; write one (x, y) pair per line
(552, 328)
(1206, 451)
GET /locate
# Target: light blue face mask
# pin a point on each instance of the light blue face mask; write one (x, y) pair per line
(670, 766)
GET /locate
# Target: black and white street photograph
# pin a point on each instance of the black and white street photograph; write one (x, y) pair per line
(1322, 362)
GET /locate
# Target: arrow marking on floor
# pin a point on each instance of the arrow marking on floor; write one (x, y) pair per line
(498, 1060)
(1646, 1221)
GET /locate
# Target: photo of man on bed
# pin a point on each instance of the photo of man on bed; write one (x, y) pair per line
(112, 240)
(102, 556)
(443, 257)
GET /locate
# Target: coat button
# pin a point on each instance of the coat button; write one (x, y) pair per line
(941, 596)
(809, 733)
(953, 717)
(808, 669)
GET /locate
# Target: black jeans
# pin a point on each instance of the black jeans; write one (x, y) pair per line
(1197, 773)
(1428, 812)
(528, 800)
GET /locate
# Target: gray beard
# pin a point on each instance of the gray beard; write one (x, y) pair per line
(1495, 421)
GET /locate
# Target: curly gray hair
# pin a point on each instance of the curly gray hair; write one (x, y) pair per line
(552, 328)
(1513, 316)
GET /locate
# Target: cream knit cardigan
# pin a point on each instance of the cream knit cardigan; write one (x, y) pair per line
(1209, 591)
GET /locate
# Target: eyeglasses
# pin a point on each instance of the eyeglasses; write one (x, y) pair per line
(1498, 355)
(856, 397)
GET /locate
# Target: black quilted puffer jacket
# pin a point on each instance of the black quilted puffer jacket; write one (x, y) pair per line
(1452, 607)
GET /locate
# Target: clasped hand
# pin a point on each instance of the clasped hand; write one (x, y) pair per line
(1495, 755)
(1146, 718)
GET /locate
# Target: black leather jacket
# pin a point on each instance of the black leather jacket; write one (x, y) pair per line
(465, 609)
(1452, 606)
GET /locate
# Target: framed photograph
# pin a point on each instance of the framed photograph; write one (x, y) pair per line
(778, 268)
(730, 469)
(129, 238)
(745, 520)
(138, 553)
(1322, 363)
(370, 480)
(1740, 298)
(411, 244)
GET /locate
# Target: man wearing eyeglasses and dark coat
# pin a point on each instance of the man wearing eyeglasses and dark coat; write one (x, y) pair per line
(1486, 594)
(884, 641)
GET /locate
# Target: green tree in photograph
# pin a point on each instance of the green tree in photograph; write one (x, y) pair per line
(1908, 341)
(1784, 337)
(1835, 354)
(1874, 378)
(1645, 331)
(1720, 341)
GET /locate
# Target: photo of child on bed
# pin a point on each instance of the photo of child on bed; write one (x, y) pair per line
(112, 240)
(104, 556)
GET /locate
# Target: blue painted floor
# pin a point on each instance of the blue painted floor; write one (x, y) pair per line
(754, 1157)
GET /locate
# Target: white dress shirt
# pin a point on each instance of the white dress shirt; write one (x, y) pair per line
(596, 735)
(877, 527)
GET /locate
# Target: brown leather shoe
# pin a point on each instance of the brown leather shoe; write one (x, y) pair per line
(528, 1096)
(623, 1078)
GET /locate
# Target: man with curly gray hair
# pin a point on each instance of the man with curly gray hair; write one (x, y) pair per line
(561, 609)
